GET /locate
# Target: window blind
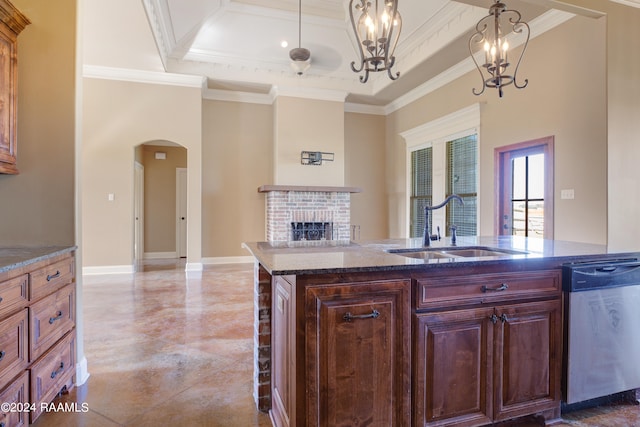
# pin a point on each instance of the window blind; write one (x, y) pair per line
(421, 188)
(462, 171)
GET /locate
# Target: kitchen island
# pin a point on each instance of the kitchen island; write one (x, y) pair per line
(388, 333)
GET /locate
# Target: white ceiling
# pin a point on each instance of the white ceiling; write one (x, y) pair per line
(236, 44)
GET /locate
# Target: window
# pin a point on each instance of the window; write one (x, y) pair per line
(439, 156)
(460, 159)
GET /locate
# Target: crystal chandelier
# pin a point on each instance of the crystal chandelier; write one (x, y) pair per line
(492, 41)
(377, 29)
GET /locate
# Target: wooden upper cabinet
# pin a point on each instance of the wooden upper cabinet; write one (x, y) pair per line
(12, 22)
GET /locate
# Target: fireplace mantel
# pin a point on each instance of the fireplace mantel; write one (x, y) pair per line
(308, 188)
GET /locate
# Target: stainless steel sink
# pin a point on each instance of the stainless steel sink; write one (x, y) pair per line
(453, 252)
(421, 254)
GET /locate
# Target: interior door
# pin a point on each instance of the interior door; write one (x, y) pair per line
(181, 212)
(138, 211)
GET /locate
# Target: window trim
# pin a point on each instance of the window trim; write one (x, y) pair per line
(461, 123)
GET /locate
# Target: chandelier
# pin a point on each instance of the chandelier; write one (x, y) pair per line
(490, 38)
(377, 30)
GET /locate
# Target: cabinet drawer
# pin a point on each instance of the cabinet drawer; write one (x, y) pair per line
(49, 319)
(13, 294)
(439, 292)
(17, 393)
(50, 278)
(13, 346)
(53, 371)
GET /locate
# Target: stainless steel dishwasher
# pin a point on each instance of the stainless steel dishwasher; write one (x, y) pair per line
(602, 335)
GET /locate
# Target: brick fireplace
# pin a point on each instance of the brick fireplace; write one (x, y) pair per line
(296, 213)
(290, 212)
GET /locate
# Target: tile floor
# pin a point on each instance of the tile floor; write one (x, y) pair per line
(164, 349)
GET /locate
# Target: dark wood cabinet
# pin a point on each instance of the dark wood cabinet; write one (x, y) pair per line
(358, 340)
(489, 362)
(340, 351)
(453, 368)
(12, 22)
(527, 358)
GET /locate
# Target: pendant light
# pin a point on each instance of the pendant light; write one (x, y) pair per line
(490, 39)
(377, 25)
(300, 57)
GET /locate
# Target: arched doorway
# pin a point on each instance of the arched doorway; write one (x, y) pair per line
(160, 200)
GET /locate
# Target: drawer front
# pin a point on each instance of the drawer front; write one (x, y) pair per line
(17, 396)
(49, 319)
(52, 372)
(13, 294)
(50, 278)
(438, 292)
(13, 346)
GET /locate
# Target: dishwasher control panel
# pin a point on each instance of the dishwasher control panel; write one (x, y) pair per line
(577, 277)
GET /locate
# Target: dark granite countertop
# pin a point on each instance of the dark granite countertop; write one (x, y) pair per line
(15, 257)
(364, 256)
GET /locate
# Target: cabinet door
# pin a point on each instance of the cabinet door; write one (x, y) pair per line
(527, 362)
(283, 330)
(358, 344)
(452, 368)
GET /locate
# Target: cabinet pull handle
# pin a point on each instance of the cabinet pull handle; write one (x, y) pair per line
(58, 371)
(348, 317)
(53, 319)
(53, 276)
(2, 353)
(493, 318)
(1, 301)
(502, 287)
(503, 318)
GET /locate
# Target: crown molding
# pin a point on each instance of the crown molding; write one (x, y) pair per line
(140, 76)
(237, 96)
(631, 3)
(351, 107)
(309, 93)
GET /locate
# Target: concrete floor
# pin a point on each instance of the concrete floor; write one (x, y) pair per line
(164, 349)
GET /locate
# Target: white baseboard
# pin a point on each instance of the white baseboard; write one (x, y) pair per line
(193, 266)
(82, 373)
(228, 260)
(108, 269)
(160, 255)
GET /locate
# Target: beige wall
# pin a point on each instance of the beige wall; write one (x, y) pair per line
(38, 204)
(118, 116)
(566, 98)
(160, 197)
(365, 168)
(623, 34)
(237, 156)
(308, 125)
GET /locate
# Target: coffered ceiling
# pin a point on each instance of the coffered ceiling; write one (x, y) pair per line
(236, 44)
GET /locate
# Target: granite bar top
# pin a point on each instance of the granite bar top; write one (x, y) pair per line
(318, 257)
(15, 257)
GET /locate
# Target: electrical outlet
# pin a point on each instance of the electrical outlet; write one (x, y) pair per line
(567, 194)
